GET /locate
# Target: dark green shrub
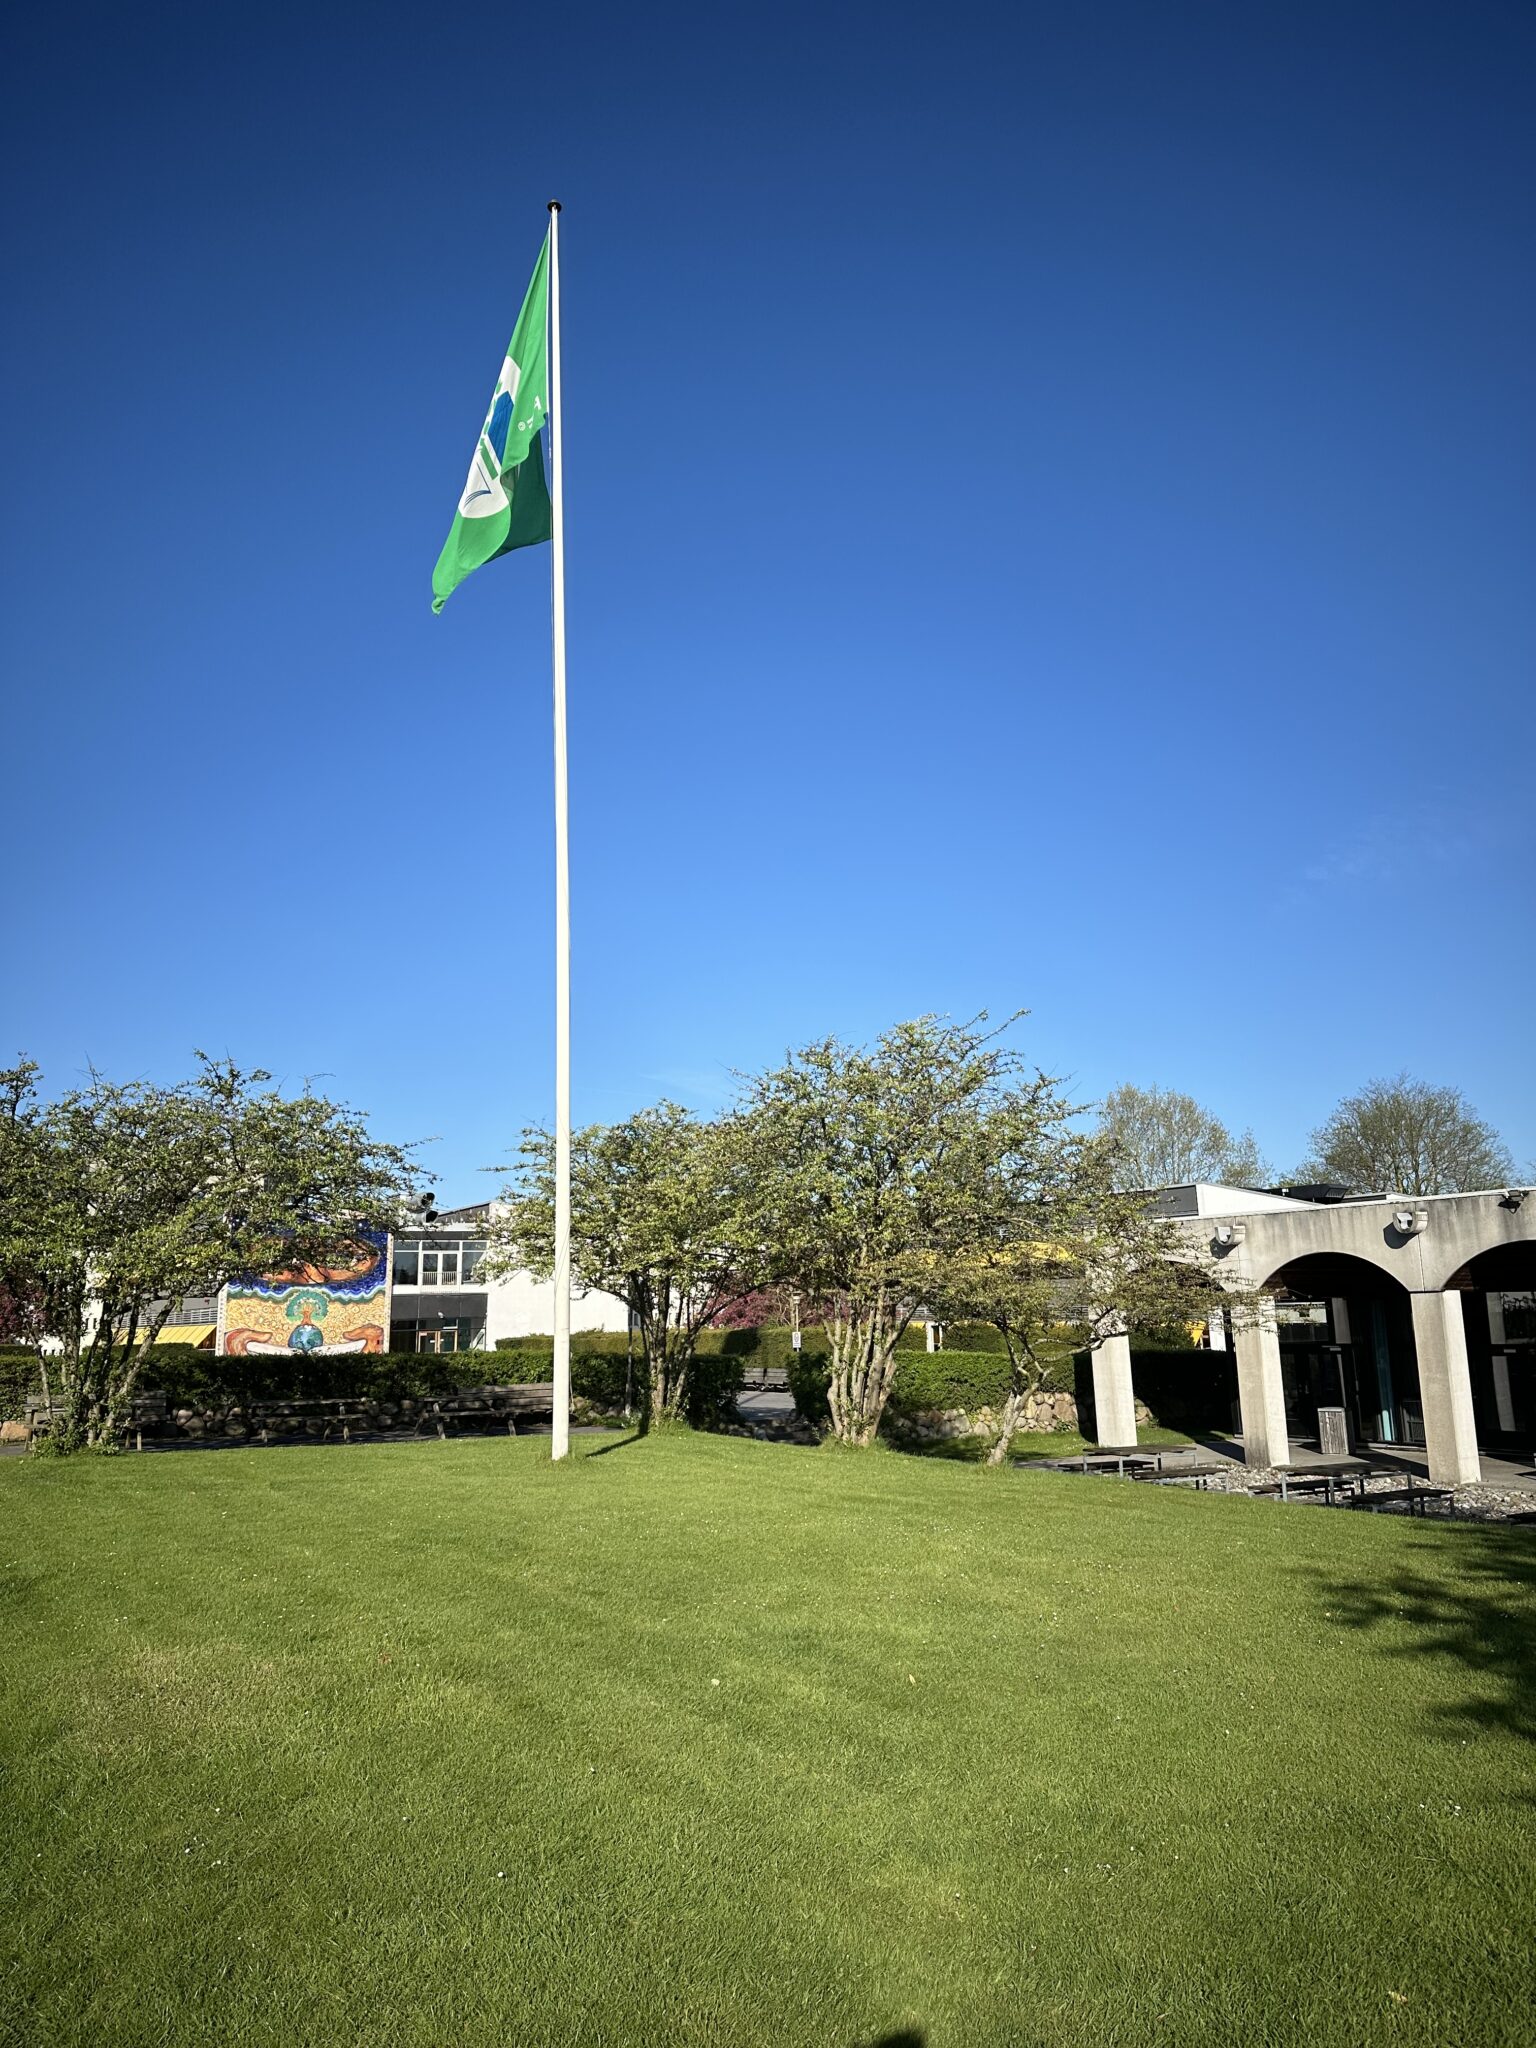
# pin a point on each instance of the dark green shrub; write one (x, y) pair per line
(808, 1373)
(19, 1376)
(957, 1337)
(949, 1379)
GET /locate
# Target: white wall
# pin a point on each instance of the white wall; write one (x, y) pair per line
(521, 1306)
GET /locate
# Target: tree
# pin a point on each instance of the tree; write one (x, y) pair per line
(1073, 1260)
(657, 1208)
(1406, 1137)
(1166, 1139)
(872, 1169)
(118, 1199)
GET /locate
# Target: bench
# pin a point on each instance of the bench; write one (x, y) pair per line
(1178, 1475)
(1413, 1498)
(1300, 1486)
(486, 1406)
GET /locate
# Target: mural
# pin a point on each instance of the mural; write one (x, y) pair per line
(312, 1309)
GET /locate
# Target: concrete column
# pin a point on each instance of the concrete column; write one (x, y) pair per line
(1260, 1389)
(1114, 1399)
(1445, 1389)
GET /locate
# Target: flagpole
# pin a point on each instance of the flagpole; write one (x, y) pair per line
(561, 1441)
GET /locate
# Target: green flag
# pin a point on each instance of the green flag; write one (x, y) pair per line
(506, 500)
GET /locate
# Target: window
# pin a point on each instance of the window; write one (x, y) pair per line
(439, 1262)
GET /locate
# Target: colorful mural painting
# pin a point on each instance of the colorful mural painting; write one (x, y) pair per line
(312, 1309)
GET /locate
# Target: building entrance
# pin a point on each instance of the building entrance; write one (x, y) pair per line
(1346, 1341)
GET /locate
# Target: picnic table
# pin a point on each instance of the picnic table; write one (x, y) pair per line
(1107, 1458)
(1200, 1471)
(1332, 1478)
(1413, 1499)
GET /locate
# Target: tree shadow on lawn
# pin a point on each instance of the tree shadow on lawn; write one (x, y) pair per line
(1480, 1615)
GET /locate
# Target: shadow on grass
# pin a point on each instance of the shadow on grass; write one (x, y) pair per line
(1477, 1611)
(623, 1444)
(959, 1450)
(906, 2037)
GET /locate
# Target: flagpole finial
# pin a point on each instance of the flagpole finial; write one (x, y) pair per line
(554, 206)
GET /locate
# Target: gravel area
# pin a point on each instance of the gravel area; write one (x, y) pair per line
(1465, 1503)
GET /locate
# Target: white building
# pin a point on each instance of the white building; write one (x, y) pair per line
(441, 1299)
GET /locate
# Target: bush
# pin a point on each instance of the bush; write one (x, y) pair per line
(19, 1376)
(957, 1336)
(202, 1379)
(950, 1379)
(809, 1371)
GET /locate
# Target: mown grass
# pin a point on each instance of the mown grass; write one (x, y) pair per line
(697, 1740)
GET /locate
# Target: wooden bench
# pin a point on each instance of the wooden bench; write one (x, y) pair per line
(486, 1405)
(1177, 1475)
(1413, 1498)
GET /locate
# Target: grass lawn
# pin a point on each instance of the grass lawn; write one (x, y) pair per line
(698, 1740)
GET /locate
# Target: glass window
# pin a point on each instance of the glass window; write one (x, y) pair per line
(407, 1262)
(429, 1265)
(472, 1254)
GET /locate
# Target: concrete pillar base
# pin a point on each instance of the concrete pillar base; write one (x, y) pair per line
(1445, 1389)
(1260, 1388)
(1114, 1398)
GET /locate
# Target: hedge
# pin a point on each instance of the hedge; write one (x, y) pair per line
(19, 1376)
(959, 1336)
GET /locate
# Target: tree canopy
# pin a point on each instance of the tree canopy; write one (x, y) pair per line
(1166, 1139)
(658, 1218)
(120, 1198)
(1407, 1137)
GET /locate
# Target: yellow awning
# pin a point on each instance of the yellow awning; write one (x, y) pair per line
(187, 1333)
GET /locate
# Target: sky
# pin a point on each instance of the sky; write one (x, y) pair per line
(1050, 516)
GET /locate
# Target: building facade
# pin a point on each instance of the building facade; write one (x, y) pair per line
(441, 1298)
(1415, 1315)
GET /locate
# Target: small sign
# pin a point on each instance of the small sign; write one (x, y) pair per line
(794, 1340)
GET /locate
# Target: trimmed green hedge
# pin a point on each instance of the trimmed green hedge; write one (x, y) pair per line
(957, 1336)
(19, 1376)
(202, 1379)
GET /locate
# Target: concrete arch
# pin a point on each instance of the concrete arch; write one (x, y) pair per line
(1333, 1272)
(1393, 1268)
(1498, 1229)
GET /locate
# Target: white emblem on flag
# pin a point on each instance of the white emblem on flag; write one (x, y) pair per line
(484, 493)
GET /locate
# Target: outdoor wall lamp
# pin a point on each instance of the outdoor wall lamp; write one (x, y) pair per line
(1230, 1234)
(1512, 1198)
(1410, 1222)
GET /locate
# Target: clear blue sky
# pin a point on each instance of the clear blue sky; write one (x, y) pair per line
(1050, 524)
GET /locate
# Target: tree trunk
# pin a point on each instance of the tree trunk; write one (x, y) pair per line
(667, 1382)
(1013, 1415)
(863, 1366)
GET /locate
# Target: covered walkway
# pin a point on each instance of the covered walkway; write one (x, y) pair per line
(1414, 1317)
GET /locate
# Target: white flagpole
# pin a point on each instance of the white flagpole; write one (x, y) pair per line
(561, 1441)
